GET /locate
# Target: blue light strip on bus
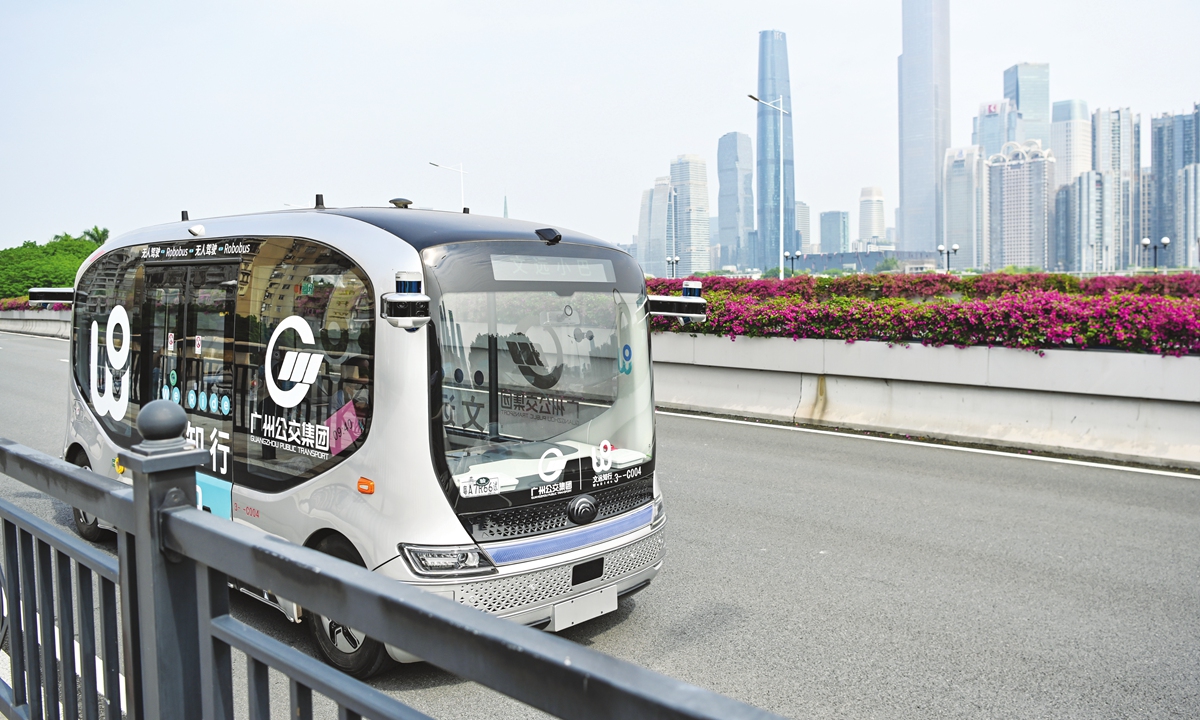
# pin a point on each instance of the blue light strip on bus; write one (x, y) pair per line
(570, 540)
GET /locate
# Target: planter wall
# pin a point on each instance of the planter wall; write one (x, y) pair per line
(52, 323)
(1114, 405)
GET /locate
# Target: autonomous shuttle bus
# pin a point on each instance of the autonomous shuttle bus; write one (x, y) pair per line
(460, 403)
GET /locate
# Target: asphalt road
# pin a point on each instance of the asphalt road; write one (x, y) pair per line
(822, 575)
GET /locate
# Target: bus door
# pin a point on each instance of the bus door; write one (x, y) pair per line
(192, 311)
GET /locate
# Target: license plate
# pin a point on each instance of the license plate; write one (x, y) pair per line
(585, 607)
(480, 486)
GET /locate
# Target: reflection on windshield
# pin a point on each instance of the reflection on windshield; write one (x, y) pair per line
(533, 379)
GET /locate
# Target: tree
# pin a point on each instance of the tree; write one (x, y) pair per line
(51, 265)
(95, 234)
(887, 264)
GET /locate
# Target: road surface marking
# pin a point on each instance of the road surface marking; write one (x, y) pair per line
(958, 448)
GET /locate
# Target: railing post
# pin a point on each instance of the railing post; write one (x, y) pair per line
(167, 621)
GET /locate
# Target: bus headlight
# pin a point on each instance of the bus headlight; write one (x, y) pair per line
(445, 561)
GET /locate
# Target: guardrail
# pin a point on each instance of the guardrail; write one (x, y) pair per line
(163, 612)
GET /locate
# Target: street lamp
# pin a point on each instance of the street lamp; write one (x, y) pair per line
(1164, 243)
(462, 193)
(791, 260)
(673, 263)
(953, 250)
(782, 112)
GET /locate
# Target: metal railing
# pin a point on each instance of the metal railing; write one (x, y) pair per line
(163, 619)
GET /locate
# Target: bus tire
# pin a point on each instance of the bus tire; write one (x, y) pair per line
(86, 525)
(341, 646)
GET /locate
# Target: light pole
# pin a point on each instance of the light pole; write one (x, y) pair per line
(953, 250)
(462, 192)
(1164, 243)
(791, 260)
(782, 112)
(673, 263)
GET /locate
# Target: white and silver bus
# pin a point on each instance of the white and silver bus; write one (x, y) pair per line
(461, 403)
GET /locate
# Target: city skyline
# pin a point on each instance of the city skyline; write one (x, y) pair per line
(373, 95)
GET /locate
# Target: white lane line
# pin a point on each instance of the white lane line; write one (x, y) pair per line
(957, 448)
(6, 666)
(29, 335)
(63, 360)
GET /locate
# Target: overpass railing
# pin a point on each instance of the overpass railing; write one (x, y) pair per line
(148, 634)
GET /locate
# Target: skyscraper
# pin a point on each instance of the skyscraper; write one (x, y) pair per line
(1028, 86)
(924, 80)
(1175, 144)
(965, 206)
(773, 85)
(1071, 138)
(1019, 206)
(689, 183)
(1117, 148)
(655, 227)
(1145, 206)
(1095, 223)
(808, 244)
(1187, 215)
(835, 231)
(872, 228)
(735, 197)
(997, 123)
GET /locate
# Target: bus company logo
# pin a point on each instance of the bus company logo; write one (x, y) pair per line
(114, 401)
(526, 357)
(298, 367)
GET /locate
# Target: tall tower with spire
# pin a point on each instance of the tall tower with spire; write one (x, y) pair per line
(774, 84)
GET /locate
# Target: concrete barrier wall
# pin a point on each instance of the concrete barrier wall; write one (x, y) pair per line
(52, 323)
(1113, 405)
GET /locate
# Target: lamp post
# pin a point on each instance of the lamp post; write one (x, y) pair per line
(1164, 243)
(791, 259)
(673, 263)
(782, 112)
(943, 251)
(462, 192)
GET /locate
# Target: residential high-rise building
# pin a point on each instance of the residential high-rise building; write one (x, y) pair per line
(735, 197)
(872, 228)
(1187, 215)
(835, 231)
(1174, 144)
(1019, 206)
(655, 228)
(774, 86)
(1095, 223)
(1064, 230)
(717, 251)
(1145, 207)
(1028, 86)
(924, 84)
(996, 124)
(1117, 148)
(1071, 139)
(689, 181)
(964, 188)
(808, 243)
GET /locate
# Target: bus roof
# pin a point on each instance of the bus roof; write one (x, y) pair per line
(425, 228)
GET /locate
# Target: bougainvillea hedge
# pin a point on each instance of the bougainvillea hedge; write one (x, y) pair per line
(928, 285)
(1018, 311)
(22, 303)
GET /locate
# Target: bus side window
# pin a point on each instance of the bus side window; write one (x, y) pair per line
(304, 362)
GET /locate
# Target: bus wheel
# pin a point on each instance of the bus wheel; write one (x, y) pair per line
(342, 646)
(86, 525)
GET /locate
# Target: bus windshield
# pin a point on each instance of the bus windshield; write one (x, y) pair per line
(545, 368)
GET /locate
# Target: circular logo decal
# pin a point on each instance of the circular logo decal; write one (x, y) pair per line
(191, 398)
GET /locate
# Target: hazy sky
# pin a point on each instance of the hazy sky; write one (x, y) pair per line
(123, 114)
